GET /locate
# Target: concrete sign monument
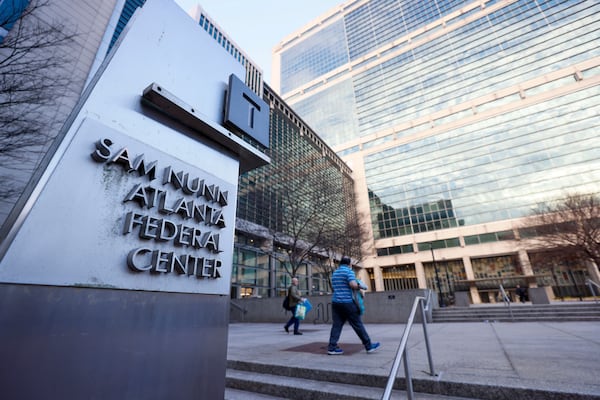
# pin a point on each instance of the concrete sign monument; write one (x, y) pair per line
(115, 275)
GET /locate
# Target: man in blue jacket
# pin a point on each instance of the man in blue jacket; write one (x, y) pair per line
(344, 309)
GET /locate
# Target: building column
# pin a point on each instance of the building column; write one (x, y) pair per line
(379, 287)
(364, 278)
(527, 269)
(471, 276)
(420, 271)
(272, 271)
(309, 279)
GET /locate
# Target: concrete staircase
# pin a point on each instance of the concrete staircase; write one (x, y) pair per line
(254, 381)
(464, 369)
(568, 311)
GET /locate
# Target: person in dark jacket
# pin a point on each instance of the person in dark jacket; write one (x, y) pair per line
(522, 293)
(294, 298)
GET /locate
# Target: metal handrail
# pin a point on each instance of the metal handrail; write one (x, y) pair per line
(238, 307)
(506, 301)
(402, 353)
(592, 285)
(322, 312)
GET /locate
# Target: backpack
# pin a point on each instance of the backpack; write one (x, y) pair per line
(286, 303)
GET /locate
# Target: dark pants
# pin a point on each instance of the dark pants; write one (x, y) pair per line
(293, 320)
(343, 312)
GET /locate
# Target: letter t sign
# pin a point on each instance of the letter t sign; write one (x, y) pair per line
(246, 112)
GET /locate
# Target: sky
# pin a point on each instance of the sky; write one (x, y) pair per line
(258, 25)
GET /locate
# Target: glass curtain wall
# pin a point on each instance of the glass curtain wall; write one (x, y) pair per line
(306, 183)
(461, 113)
(487, 105)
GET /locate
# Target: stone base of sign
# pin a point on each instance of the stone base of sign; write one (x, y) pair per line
(73, 343)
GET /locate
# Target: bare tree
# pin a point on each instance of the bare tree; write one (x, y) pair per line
(311, 215)
(571, 225)
(32, 77)
(348, 242)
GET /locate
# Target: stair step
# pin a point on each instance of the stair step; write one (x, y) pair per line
(574, 315)
(234, 394)
(284, 382)
(522, 308)
(519, 313)
(246, 383)
(505, 319)
(525, 314)
(565, 308)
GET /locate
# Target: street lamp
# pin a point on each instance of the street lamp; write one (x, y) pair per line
(450, 291)
(437, 278)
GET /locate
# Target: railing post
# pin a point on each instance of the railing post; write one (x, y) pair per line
(593, 285)
(319, 311)
(507, 302)
(322, 312)
(426, 334)
(408, 376)
(402, 352)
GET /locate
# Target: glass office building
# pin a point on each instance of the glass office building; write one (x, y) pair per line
(305, 178)
(458, 118)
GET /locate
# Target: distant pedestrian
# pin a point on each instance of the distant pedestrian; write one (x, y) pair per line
(294, 299)
(522, 293)
(344, 309)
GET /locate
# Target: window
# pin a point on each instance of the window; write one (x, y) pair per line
(438, 244)
(400, 277)
(489, 237)
(388, 251)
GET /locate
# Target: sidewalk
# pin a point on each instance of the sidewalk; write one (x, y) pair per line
(561, 357)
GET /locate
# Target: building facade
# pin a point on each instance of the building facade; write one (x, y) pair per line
(458, 118)
(305, 184)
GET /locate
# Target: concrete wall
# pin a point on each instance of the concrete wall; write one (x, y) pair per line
(380, 307)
